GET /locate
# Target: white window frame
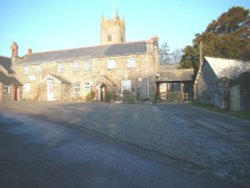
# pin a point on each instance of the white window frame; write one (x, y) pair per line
(38, 69)
(26, 69)
(87, 88)
(87, 66)
(60, 67)
(32, 77)
(26, 87)
(126, 86)
(111, 64)
(131, 63)
(76, 88)
(76, 66)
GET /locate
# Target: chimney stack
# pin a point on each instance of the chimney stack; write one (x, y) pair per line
(14, 50)
(29, 51)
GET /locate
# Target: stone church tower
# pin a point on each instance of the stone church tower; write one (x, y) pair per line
(113, 31)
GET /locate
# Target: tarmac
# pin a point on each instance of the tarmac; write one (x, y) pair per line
(189, 138)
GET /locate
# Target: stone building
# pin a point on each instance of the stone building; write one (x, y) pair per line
(10, 87)
(219, 82)
(112, 71)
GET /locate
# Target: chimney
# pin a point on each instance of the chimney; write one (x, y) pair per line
(29, 51)
(14, 50)
(155, 39)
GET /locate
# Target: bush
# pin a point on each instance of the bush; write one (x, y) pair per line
(90, 96)
(109, 96)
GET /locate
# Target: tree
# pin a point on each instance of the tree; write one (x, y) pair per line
(164, 53)
(230, 21)
(176, 55)
(226, 37)
(169, 58)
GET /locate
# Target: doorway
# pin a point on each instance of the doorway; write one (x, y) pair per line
(103, 92)
(16, 93)
(50, 90)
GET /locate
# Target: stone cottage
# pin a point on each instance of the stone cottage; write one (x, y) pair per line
(218, 83)
(10, 87)
(111, 71)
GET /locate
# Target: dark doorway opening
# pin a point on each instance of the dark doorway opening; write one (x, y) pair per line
(103, 92)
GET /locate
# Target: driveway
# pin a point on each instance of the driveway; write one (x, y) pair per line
(188, 137)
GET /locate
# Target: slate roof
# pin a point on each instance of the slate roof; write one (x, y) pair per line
(61, 79)
(8, 80)
(227, 68)
(86, 53)
(169, 66)
(6, 63)
(176, 75)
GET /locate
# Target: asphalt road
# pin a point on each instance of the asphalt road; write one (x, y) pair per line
(115, 145)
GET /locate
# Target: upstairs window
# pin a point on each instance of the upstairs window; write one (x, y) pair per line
(87, 66)
(38, 69)
(27, 87)
(76, 66)
(60, 68)
(131, 63)
(111, 64)
(109, 38)
(26, 70)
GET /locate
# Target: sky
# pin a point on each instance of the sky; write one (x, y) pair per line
(45, 25)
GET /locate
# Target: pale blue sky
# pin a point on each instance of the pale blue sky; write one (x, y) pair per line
(45, 25)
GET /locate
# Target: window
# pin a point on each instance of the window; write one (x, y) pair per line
(60, 68)
(77, 88)
(131, 63)
(111, 64)
(87, 88)
(173, 86)
(38, 69)
(87, 66)
(26, 87)
(26, 70)
(6, 89)
(76, 66)
(32, 77)
(109, 38)
(126, 86)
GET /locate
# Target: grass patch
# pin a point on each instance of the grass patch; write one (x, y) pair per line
(239, 114)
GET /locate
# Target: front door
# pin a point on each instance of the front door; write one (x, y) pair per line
(50, 90)
(16, 93)
(103, 92)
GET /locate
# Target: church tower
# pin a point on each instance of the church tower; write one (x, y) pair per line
(113, 30)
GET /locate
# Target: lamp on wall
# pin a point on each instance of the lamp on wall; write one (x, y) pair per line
(157, 75)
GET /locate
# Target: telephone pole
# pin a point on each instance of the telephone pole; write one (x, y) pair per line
(201, 53)
(199, 72)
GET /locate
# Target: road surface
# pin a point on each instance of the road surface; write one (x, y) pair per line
(115, 145)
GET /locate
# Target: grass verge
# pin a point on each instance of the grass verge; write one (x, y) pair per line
(239, 114)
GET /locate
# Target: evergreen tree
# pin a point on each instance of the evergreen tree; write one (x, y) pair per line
(226, 37)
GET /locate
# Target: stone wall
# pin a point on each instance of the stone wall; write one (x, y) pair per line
(212, 89)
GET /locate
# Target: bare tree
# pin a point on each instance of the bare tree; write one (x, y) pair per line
(164, 53)
(176, 55)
